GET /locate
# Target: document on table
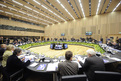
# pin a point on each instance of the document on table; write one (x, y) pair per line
(33, 64)
(81, 59)
(29, 57)
(52, 66)
(114, 58)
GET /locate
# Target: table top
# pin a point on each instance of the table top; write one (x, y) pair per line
(52, 67)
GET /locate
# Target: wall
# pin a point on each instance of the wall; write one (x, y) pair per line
(100, 25)
(19, 33)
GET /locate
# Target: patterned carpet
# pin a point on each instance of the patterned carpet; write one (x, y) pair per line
(45, 50)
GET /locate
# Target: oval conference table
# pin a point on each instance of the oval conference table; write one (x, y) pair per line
(48, 66)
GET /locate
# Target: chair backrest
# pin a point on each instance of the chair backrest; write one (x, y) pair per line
(107, 76)
(15, 76)
(74, 78)
(4, 73)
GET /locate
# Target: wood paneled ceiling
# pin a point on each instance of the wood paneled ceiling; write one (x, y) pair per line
(48, 12)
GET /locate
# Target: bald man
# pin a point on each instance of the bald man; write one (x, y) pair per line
(2, 50)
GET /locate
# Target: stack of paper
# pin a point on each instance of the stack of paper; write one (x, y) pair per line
(33, 64)
(46, 60)
(81, 59)
(29, 57)
(52, 66)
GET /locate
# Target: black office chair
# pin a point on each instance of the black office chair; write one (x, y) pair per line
(14, 77)
(74, 78)
(107, 76)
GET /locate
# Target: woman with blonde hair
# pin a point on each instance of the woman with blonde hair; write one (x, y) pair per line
(7, 53)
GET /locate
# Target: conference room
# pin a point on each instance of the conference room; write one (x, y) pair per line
(60, 40)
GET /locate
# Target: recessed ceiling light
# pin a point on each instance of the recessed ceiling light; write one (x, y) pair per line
(81, 7)
(98, 7)
(116, 6)
(65, 9)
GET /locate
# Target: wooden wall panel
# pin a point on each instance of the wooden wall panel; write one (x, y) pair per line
(101, 25)
(19, 33)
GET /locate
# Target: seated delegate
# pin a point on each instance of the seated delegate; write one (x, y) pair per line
(7, 53)
(14, 63)
(91, 64)
(68, 67)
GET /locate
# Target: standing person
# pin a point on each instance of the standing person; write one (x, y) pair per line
(91, 64)
(68, 67)
(2, 50)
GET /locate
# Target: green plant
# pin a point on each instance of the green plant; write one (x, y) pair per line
(95, 46)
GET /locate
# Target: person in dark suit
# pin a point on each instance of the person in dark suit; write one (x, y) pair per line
(68, 67)
(1, 40)
(2, 50)
(7, 41)
(101, 39)
(91, 64)
(14, 63)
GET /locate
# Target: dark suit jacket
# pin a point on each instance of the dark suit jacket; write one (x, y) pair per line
(68, 68)
(14, 64)
(92, 64)
(2, 50)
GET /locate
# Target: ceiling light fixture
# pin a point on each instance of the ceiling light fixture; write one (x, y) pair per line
(3, 5)
(37, 2)
(12, 8)
(1, 11)
(27, 7)
(49, 10)
(22, 17)
(81, 7)
(9, 13)
(56, 9)
(17, 15)
(22, 12)
(116, 6)
(65, 9)
(98, 6)
(31, 8)
(17, 2)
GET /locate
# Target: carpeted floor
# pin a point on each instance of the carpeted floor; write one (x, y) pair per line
(45, 50)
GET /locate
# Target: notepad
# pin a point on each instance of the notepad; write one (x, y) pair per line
(46, 60)
(33, 64)
(41, 67)
(52, 66)
(29, 57)
(81, 59)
